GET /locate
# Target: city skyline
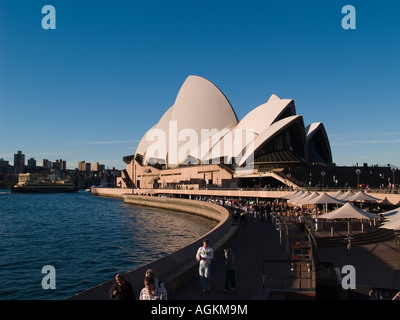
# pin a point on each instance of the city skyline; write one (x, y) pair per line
(91, 88)
(22, 161)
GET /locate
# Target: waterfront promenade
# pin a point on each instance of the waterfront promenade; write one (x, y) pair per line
(255, 241)
(377, 267)
(252, 242)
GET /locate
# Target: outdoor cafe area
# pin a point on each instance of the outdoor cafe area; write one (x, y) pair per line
(340, 213)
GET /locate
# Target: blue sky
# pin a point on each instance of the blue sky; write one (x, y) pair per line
(91, 88)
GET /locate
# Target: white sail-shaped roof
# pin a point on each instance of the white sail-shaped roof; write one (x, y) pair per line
(270, 132)
(201, 107)
(316, 131)
(266, 114)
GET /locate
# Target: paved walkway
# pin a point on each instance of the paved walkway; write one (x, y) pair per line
(377, 266)
(255, 241)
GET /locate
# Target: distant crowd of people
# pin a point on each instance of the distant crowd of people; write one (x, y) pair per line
(265, 209)
(260, 211)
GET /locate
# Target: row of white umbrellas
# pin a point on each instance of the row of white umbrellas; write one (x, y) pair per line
(347, 211)
(303, 198)
(306, 197)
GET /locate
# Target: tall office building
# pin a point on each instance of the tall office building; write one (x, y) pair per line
(46, 164)
(4, 166)
(31, 163)
(98, 167)
(19, 162)
(60, 164)
(83, 166)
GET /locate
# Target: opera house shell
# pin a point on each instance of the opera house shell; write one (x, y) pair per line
(199, 138)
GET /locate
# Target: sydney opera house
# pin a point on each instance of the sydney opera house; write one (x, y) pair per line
(200, 141)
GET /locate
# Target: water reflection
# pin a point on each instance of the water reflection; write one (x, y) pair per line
(87, 239)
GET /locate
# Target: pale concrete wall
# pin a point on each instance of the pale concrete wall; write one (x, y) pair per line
(110, 192)
(201, 208)
(146, 175)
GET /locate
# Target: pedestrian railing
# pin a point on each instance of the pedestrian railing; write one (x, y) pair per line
(288, 275)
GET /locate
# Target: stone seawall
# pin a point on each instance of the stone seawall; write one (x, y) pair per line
(180, 266)
(110, 192)
(205, 209)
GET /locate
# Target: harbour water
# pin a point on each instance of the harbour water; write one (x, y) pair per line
(86, 239)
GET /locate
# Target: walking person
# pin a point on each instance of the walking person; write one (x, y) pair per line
(151, 274)
(204, 255)
(230, 280)
(268, 210)
(121, 289)
(151, 291)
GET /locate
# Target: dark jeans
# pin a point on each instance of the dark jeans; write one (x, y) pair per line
(230, 281)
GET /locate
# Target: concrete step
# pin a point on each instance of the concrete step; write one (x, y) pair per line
(378, 235)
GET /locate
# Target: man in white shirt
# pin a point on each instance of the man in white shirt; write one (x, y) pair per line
(204, 255)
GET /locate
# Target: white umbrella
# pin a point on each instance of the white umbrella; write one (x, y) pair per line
(337, 194)
(392, 215)
(362, 196)
(385, 202)
(348, 211)
(393, 224)
(393, 221)
(302, 196)
(346, 195)
(296, 200)
(325, 198)
(293, 194)
(304, 200)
